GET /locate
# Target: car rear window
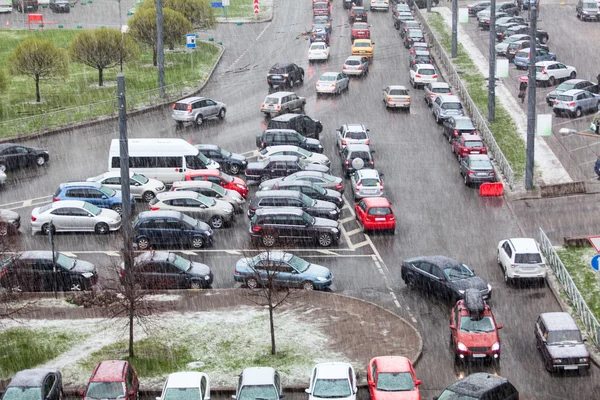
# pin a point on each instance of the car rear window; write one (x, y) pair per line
(356, 135)
(279, 70)
(370, 182)
(563, 97)
(180, 106)
(329, 78)
(528, 258)
(426, 71)
(464, 124)
(317, 46)
(415, 33)
(277, 125)
(473, 143)
(360, 25)
(440, 90)
(452, 105)
(362, 44)
(272, 100)
(523, 53)
(352, 62)
(399, 92)
(481, 164)
(360, 154)
(321, 6)
(379, 211)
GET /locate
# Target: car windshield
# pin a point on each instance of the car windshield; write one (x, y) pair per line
(218, 189)
(398, 92)
(272, 100)
(317, 46)
(426, 71)
(358, 10)
(379, 211)
(450, 395)
(92, 209)
(362, 44)
(352, 62)
(182, 394)
(263, 392)
(565, 86)
(370, 182)
(395, 381)
(481, 163)
(206, 200)
(360, 25)
(329, 78)
(563, 97)
(107, 191)
(415, 33)
(528, 258)
(106, 390)
(299, 264)
(225, 153)
(319, 189)
(332, 388)
(452, 105)
(22, 393)
(590, 5)
(140, 178)
(566, 336)
(189, 220)
(485, 324)
(304, 152)
(523, 53)
(180, 262)
(308, 218)
(458, 272)
(473, 143)
(307, 200)
(65, 262)
(228, 178)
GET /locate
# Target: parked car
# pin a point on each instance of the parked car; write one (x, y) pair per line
(521, 259)
(476, 7)
(332, 380)
(74, 216)
(355, 157)
(318, 51)
(282, 103)
(420, 57)
(473, 330)
(477, 168)
(484, 20)
(446, 106)
(36, 271)
(304, 156)
(549, 72)
(139, 186)
(112, 379)
(281, 269)
(6, 7)
(396, 96)
(10, 222)
(303, 124)
(434, 89)
(363, 48)
(360, 30)
(170, 228)
(522, 57)
(392, 377)
(357, 14)
(231, 162)
(575, 103)
(268, 226)
(259, 383)
(281, 137)
(375, 214)
(455, 127)
(514, 47)
(323, 22)
(92, 192)
(571, 84)
(413, 35)
(407, 24)
(422, 74)
(59, 6)
(481, 386)
(540, 34)
(15, 156)
(559, 339)
(352, 134)
(216, 213)
(219, 178)
(401, 17)
(332, 83)
(325, 181)
(166, 270)
(587, 10)
(321, 8)
(279, 166)
(187, 385)
(356, 65)
(291, 198)
(467, 144)
(442, 276)
(197, 110)
(35, 384)
(311, 190)
(414, 46)
(212, 190)
(285, 75)
(502, 27)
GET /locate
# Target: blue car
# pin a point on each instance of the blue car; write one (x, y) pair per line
(281, 270)
(94, 193)
(170, 229)
(522, 57)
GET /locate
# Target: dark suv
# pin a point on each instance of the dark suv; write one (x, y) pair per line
(268, 226)
(279, 166)
(170, 228)
(291, 198)
(274, 137)
(311, 190)
(35, 384)
(232, 162)
(480, 386)
(303, 124)
(285, 75)
(356, 156)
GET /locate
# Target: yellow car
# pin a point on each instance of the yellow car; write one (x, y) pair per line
(363, 48)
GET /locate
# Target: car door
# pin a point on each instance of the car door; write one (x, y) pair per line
(80, 219)
(422, 273)
(196, 209)
(439, 283)
(96, 197)
(172, 277)
(505, 254)
(113, 182)
(161, 232)
(212, 107)
(298, 228)
(61, 219)
(559, 71)
(45, 276)
(177, 230)
(21, 274)
(148, 275)
(284, 275)
(589, 101)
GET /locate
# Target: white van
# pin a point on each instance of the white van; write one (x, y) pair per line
(167, 160)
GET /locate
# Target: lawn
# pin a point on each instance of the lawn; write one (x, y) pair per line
(503, 128)
(81, 86)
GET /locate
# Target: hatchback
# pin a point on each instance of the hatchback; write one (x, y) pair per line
(322, 22)
(575, 103)
(332, 380)
(418, 46)
(259, 383)
(141, 187)
(549, 72)
(170, 228)
(413, 35)
(311, 190)
(357, 14)
(321, 8)
(396, 96)
(375, 214)
(360, 30)
(355, 157)
(434, 89)
(392, 377)
(356, 65)
(572, 84)
(420, 57)
(186, 385)
(112, 379)
(481, 386)
(366, 183)
(217, 213)
(281, 137)
(92, 192)
(320, 179)
(304, 156)
(276, 166)
(212, 190)
(15, 156)
(422, 74)
(382, 5)
(522, 44)
(74, 216)
(520, 259)
(455, 127)
(446, 106)
(477, 168)
(320, 35)
(522, 57)
(352, 134)
(166, 270)
(219, 178)
(318, 51)
(197, 109)
(468, 144)
(508, 39)
(332, 83)
(35, 384)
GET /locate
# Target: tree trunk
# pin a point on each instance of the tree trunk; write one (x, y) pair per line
(100, 77)
(154, 61)
(37, 89)
(131, 317)
(273, 349)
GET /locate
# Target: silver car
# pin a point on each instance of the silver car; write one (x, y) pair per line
(576, 102)
(197, 109)
(356, 66)
(259, 383)
(434, 89)
(352, 134)
(210, 189)
(216, 213)
(366, 183)
(304, 156)
(332, 83)
(74, 216)
(140, 186)
(396, 96)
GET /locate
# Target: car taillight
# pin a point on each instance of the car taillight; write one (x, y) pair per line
(339, 186)
(555, 101)
(470, 172)
(492, 173)
(256, 229)
(390, 99)
(277, 107)
(358, 185)
(571, 104)
(474, 131)
(347, 163)
(262, 106)
(417, 75)
(372, 163)
(343, 142)
(262, 144)
(360, 68)
(33, 219)
(3, 273)
(434, 76)
(333, 84)
(173, 107)
(431, 95)
(368, 142)
(309, 54)
(352, 15)
(390, 217)
(154, 208)
(189, 108)
(544, 71)
(122, 273)
(56, 199)
(455, 132)
(408, 100)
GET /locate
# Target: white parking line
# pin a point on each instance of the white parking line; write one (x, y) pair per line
(188, 252)
(23, 201)
(69, 254)
(354, 231)
(347, 219)
(361, 244)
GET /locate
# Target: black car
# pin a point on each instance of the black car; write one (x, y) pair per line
(274, 137)
(480, 386)
(406, 25)
(423, 3)
(303, 124)
(269, 226)
(540, 34)
(311, 190)
(357, 14)
(170, 228)
(35, 384)
(231, 162)
(420, 57)
(10, 222)
(35, 271)
(454, 127)
(501, 28)
(285, 75)
(13, 156)
(59, 6)
(413, 35)
(479, 6)
(325, 181)
(165, 270)
(292, 198)
(477, 168)
(572, 84)
(278, 166)
(442, 276)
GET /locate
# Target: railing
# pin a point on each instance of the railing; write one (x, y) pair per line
(591, 324)
(88, 112)
(452, 78)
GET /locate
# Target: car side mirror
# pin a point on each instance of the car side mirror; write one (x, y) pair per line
(104, 197)
(418, 382)
(453, 327)
(132, 393)
(307, 390)
(372, 151)
(498, 326)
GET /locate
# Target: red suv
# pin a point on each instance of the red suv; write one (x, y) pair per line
(360, 30)
(473, 329)
(468, 144)
(220, 178)
(375, 213)
(112, 379)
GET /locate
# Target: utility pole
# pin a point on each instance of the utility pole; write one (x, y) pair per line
(160, 49)
(428, 5)
(454, 28)
(124, 165)
(492, 72)
(531, 114)
(51, 239)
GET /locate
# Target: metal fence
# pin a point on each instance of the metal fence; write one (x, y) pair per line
(89, 112)
(591, 324)
(452, 78)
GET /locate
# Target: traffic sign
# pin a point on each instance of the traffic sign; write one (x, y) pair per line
(256, 7)
(216, 4)
(595, 241)
(225, 3)
(190, 40)
(596, 262)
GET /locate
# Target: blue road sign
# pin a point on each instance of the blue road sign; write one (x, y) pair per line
(595, 262)
(190, 40)
(216, 4)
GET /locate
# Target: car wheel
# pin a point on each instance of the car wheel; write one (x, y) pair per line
(199, 120)
(143, 243)
(544, 39)
(290, 83)
(268, 240)
(466, 180)
(195, 285)
(2, 167)
(148, 196)
(308, 286)
(222, 113)
(264, 178)
(578, 113)
(552, 81)
(234, 169)
(507, 279)
(197, 242)
(548, 365)
(252, 283)
(40, 160)
(101, 228)
(573, 75)
(498, 258)
(179, 124)
(118, 208)
(46, 229)
(216, 222)
(301, 78)
(325, 239)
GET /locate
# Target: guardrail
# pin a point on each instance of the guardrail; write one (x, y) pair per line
(453, 79)
(70, 116)
(590, 323)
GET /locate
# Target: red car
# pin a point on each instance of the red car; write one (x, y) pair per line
(112, 379)
(321, 8)
(468, 144)
(375, 213)
(392, 378)
(220, 178)
(473, 329)
(360, 30)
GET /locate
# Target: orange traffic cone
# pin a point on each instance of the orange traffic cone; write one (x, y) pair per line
(7, 24)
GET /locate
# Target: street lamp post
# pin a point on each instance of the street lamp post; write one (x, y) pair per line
(492, 70)
(454, 28)
(124, 31)
(531, 114)
(160, 49)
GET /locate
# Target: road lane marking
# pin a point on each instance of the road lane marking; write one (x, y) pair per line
(23, 201)
(188, 252)
(361, 244)
(233, 252)
(346, 237)
(27, 203)
(347, 219)
(112, 253)
(354, 231)
(69, 254)
(328, 252)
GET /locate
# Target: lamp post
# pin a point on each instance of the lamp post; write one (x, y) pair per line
(454, 28)
(124, 31)
(531, 114)
(160, 49)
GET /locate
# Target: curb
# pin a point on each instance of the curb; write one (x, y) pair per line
(134, 113)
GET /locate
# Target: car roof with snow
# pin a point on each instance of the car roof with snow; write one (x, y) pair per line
(31, 377)
(258, 376)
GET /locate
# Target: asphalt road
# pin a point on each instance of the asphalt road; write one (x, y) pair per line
(436, 213)
(572, 41)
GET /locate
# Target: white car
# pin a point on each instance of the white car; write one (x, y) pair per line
(6, 6)
(396, 96)
(383, 5)
(318, 51)
(332, 380)
(332, 83)
(2, 177)
(304, 156)
(549, 72)
(521, 258)
(352, 134)
(140, 186)
(74, 216)
(422, 74)
(366, 183)
(186, 385)
(210, 189)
